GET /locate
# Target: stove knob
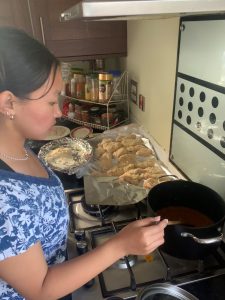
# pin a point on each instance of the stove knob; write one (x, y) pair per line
(79, 235)
(82, 247)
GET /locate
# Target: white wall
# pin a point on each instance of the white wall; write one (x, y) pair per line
(151, 61)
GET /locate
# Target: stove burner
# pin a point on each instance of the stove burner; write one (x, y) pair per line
(98, 211)
(121, 263)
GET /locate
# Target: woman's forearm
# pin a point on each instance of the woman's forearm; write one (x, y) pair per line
(71, 275)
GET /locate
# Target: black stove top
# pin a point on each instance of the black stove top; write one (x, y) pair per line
(203, 278)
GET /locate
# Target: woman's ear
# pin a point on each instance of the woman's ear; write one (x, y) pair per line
(6, 102)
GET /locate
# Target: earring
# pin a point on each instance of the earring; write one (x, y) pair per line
(11, 116)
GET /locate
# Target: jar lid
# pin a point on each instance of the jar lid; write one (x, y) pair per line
(115, 73)
(105, 76)
(94, 109)
(107, 116)
(94, 76)
(112, 109)
(77, 70)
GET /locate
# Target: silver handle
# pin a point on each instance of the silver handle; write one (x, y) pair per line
(203, 241)
(42, 30)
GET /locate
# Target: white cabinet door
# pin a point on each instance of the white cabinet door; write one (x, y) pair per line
(198, 130)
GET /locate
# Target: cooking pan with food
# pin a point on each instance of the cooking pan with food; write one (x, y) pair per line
(199, 213)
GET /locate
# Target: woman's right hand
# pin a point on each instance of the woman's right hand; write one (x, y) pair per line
(141, 237)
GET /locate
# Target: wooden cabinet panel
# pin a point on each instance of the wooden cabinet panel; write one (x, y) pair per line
(76, 38)
(88, 47)
(15, 13)
(67, 40)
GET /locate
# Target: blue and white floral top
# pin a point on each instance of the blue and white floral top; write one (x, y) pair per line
(32, 209)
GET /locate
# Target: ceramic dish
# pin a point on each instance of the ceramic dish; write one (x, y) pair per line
(81, 132)
(66, 155)
(57, 132)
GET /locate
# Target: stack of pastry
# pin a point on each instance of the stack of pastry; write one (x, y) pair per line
(127, 158)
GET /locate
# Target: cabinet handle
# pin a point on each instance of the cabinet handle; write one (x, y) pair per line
(31, 19)
(42, 30)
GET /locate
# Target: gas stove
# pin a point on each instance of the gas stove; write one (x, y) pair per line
(127, 277)
(88, 217)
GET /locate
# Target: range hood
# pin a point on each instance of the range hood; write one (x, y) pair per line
(140, 9)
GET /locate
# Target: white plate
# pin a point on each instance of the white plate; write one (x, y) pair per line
(57, 132)
(80, 132)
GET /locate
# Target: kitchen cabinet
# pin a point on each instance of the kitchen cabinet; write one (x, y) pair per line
(15, 13)
(198, 130)
(76, 40)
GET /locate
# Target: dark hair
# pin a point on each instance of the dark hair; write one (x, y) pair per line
(25, 64)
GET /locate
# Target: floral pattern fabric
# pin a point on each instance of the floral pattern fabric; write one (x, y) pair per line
(32, 209)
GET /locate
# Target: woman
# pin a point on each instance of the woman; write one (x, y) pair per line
(33, 211)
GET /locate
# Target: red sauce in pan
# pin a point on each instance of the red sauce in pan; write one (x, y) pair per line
(185, 215)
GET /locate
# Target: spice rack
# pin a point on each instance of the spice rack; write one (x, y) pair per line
(118, 98)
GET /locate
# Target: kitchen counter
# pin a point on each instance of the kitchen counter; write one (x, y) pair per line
(210, 289)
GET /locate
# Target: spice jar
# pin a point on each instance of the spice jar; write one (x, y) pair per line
(95, 115)
(94, 89)
(71, 113)
(107, 119)
(80, 87)
(105, 87)
(73, 86)
(77, 108)
(85, 116)
(88, 88)
(116, 88)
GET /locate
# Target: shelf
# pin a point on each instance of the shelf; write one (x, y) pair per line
(115, 98)
(96, 103)
(119, 96)
(92, 125)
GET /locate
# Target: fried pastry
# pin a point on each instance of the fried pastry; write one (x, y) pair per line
(136, 171)
(99, 151)
(119, 152)
(106, 155)
(128, 167)
(131, 136)
(105, 163)
(146, 163)
(144, 151)
(106, 141)
(134, 179)
(132, 142)
(120, 138)
(113, 146)
(127, 158)
(106, 145)
(149, 183)
(115, 171)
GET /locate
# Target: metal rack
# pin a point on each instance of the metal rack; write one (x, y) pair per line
(119, 96)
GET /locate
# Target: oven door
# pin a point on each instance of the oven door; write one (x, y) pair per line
(164, 291)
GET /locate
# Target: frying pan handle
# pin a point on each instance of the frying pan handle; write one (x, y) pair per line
(213, 240)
